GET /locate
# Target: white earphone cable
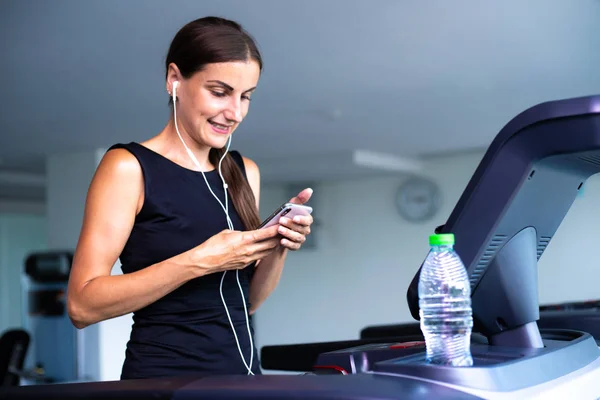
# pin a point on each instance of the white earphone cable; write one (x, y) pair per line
(225, 208)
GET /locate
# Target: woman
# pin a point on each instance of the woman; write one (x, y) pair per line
(194, 264)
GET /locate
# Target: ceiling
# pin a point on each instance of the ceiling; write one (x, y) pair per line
(404, 78)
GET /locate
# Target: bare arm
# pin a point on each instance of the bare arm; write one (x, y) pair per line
(266, 278)
(114, 199)
(269, 269)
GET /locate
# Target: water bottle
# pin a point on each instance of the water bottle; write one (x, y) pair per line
(445, 304)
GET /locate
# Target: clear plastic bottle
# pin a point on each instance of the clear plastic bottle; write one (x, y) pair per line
(445, 304)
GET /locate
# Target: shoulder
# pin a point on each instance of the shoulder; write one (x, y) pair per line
(248, 166)
(118, 181)
(119, 175)
(253, 176)
(120, 161)
(251, 171)
(251, 168)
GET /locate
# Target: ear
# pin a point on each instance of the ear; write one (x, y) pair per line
(173, 74)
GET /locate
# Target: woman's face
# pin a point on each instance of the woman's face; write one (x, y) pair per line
(212, 102)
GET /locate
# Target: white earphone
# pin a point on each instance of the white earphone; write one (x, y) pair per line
(225, 208)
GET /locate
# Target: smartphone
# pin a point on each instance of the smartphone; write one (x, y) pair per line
(289, 210)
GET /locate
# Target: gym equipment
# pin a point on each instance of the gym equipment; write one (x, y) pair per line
(54, 355)
(578, 315)
(14, 344)
(543, 156)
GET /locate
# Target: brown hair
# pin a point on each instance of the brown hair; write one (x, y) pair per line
(213, 40)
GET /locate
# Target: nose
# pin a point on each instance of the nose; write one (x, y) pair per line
(234, 110)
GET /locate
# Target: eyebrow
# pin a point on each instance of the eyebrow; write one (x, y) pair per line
(226, 86)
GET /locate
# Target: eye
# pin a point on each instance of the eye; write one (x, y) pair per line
(246, 97)
(218, 94)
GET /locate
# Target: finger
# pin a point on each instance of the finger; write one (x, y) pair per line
(303, 229)
(261, 255)
(260, 234)
(268, 244)
(291, 234)
(290, 245)
(254, 248)
(298, 221)
(302, 197)
(305, 220)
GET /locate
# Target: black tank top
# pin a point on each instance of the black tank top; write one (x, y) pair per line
(186, 331)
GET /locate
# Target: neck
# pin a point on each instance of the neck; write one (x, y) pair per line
(177, 148)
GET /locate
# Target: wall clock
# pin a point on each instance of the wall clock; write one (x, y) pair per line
(418, 199)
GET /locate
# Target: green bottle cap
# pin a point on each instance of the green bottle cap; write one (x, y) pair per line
(442, 239)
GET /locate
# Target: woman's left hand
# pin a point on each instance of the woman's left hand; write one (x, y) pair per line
(294, 231)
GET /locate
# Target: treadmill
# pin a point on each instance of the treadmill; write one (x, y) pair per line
(507, 215)
(578, 315)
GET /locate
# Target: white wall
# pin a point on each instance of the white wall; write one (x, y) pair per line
(27, 207)
(367, 256)
(20, 234)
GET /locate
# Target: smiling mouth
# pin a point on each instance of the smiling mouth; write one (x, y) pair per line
(220, 128)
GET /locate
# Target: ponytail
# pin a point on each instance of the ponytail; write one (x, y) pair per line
(240, 191)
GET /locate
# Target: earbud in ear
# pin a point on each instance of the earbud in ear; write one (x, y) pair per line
(175, 84)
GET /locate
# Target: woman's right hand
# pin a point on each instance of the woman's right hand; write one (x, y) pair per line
(231, 250)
